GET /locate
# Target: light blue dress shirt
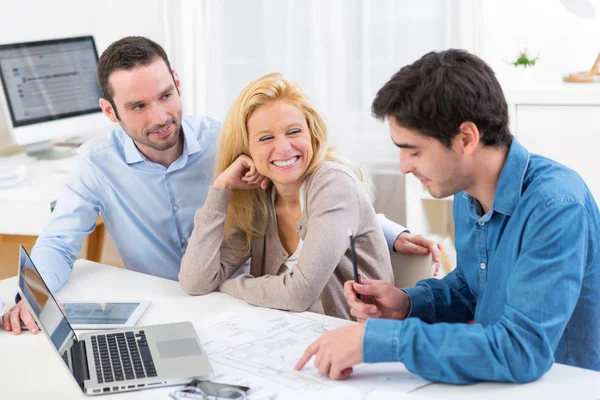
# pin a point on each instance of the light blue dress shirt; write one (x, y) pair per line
(147, 209)
(528, 273)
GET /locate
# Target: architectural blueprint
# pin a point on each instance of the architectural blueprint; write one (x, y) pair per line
(259, 349)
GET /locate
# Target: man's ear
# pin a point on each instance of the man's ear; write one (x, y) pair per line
(108, 110)
(177, 81)
(468, 137)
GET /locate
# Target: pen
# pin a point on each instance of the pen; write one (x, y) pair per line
(354, 265)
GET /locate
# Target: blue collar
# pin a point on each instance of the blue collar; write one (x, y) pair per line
(190, 146)
(510, 184)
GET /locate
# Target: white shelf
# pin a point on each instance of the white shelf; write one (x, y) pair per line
(553, 93)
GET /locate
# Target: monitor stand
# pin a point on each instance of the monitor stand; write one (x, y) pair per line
(46, 151)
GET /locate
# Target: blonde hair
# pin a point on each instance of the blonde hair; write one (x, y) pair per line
(249, 209)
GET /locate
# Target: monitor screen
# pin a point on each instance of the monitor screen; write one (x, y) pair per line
(43, 304)
(49, 80)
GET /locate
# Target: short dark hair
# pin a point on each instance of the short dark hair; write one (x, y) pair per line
(440, 91)
(127, 53)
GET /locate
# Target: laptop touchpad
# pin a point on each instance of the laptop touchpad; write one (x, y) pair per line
(178, 348)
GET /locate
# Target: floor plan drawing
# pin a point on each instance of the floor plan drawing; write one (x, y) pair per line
(260, 349)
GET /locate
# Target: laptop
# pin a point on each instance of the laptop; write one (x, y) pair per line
(118, 360)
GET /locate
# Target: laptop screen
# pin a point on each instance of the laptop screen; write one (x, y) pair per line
(43, 305)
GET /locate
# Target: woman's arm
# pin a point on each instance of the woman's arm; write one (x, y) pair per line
(208, 259)
(333, 207)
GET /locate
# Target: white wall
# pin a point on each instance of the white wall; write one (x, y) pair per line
(565, 43)
(339, 51)
(106, 20)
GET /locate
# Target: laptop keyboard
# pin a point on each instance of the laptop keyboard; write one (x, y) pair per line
(122, 356)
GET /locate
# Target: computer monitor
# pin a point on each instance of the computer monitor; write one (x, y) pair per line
(50, 91)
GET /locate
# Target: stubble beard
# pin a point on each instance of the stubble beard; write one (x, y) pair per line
(166, 145)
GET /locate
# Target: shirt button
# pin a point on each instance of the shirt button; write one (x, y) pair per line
(481, 223)
(175, 208)
(482, 265)
(183, 240)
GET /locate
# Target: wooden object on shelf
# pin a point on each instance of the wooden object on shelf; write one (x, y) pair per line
(592, 76)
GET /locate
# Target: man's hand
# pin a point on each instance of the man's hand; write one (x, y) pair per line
(337, 352)
(380, 299)
(407, 243)
(12, 319)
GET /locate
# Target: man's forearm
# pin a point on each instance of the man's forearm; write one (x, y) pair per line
(442, 300)
(54, 267)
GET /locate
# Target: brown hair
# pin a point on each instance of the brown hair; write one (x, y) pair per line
(440, 91)
(127, 53)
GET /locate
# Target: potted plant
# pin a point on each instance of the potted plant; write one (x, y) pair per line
(524, 64)
(524, 60)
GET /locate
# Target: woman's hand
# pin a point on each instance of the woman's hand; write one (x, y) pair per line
(242, 174)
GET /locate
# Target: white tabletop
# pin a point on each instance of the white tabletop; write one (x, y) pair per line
(29, 366)
(25, 205)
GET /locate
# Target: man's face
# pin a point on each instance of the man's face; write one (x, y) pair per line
(148, 105)
(438, 168)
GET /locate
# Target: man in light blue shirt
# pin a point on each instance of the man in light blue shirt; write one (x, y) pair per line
(147, 178)
(526, 232)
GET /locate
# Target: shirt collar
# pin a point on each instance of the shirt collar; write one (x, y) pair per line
(132, 154)
(192, 145)
(510, 185)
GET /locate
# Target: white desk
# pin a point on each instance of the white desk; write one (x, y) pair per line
(25, 206)
(27, 361)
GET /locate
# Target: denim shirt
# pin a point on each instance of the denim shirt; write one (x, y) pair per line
(528, 273)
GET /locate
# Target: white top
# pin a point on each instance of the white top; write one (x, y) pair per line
(292, 260)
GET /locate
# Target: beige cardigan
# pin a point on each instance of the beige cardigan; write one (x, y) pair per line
(335, 201)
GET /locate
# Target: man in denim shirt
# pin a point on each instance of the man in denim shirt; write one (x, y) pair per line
(528, 265)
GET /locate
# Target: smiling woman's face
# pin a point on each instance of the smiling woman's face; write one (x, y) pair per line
(280, 142)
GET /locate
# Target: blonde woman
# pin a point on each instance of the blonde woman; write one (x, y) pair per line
(296, 231)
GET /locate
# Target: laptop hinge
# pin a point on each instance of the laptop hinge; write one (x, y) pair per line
(79, 362)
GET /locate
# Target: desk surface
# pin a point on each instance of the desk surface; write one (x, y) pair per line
(27, 359)
(25, 206)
